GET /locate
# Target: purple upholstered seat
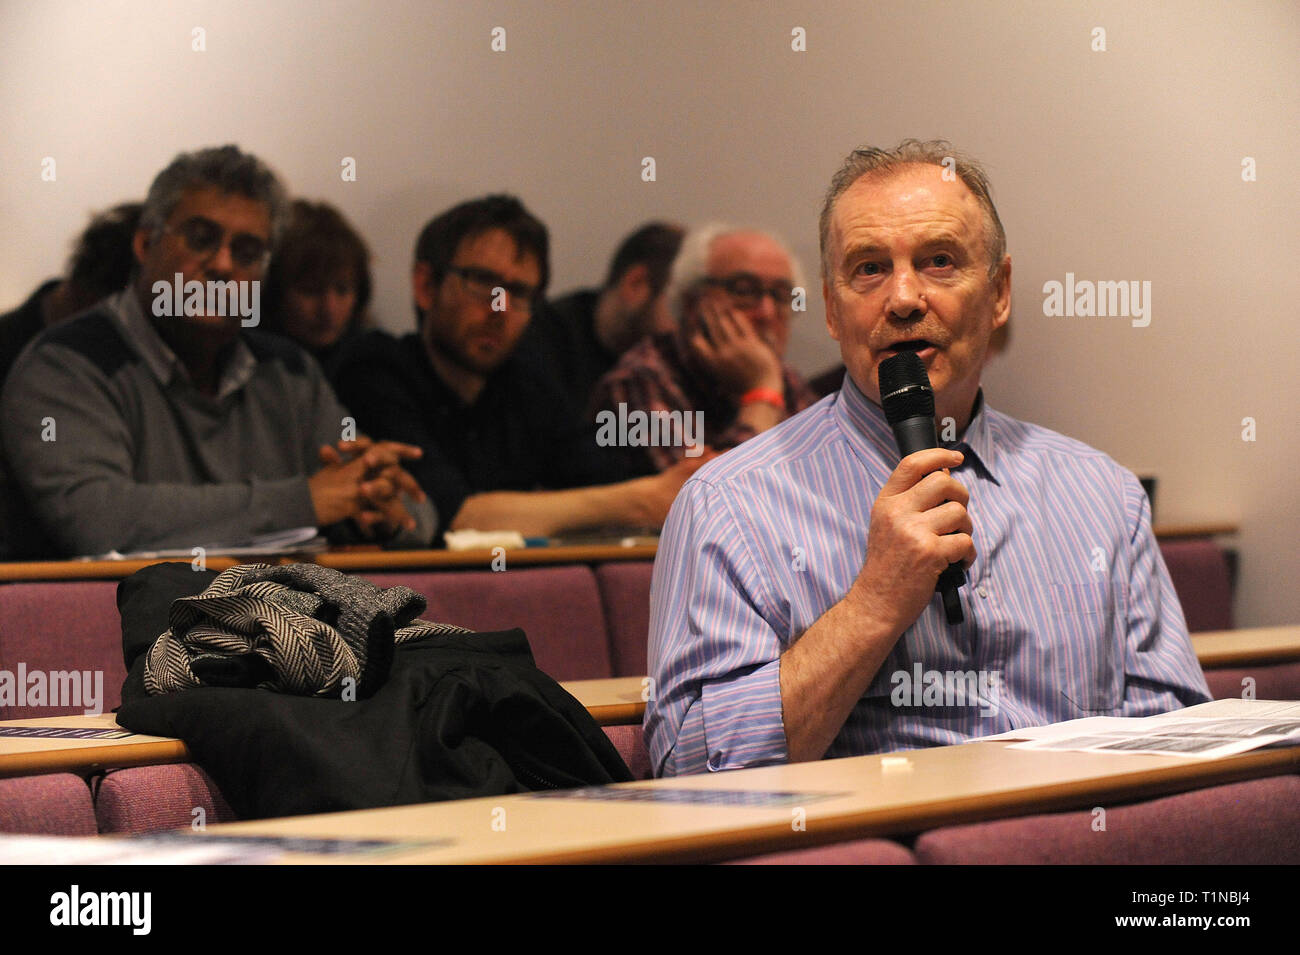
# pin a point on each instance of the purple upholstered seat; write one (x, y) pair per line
(557, 607)
(148, 798)
(631, 746)
(1273, 681)
(54, 805)
(68, 625)
(860, 852)
(1241, 823)
(625, 593)
(1200, 574)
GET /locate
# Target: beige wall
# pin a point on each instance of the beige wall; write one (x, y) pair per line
(1115, 165)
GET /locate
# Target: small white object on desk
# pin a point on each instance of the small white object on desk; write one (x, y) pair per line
(482, 540)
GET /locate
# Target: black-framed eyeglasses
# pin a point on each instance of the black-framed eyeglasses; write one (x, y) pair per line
(204, 237)
(748, 290)
(483, 283)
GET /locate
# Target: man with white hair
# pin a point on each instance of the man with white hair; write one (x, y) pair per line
(732, 292)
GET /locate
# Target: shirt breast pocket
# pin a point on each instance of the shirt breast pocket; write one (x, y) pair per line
(1088, 647)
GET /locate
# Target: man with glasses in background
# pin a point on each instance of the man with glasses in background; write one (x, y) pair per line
(502, 451)
(163, 419)
(732, 293)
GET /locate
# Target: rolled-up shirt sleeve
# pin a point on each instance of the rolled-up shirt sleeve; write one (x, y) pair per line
(714, 658)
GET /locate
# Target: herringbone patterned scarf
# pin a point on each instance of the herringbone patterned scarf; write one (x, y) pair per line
(314, 627)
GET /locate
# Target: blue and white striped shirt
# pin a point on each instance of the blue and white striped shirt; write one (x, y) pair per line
(1069, 608)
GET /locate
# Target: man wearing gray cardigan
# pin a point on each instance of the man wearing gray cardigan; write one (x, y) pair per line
(163, 418)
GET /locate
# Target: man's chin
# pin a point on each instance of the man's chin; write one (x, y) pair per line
(215, 322)
(480, 363)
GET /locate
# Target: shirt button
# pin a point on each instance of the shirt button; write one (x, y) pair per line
(982, 592)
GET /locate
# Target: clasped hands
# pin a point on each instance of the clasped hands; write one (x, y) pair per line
(363, 480)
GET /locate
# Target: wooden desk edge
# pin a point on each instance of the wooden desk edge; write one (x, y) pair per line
(382, 560)
(1226, 658)
(745, 842)
(349, 561)
(83, 760)
(618, 714)
(480, 559)
(46, 571)
(1207, 529)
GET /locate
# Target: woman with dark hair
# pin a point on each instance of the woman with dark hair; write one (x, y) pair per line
(318, 282)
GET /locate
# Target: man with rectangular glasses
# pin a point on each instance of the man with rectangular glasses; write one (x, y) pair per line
(503, 449)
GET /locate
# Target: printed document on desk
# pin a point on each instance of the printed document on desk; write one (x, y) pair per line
(296, 540)
(1207, 731)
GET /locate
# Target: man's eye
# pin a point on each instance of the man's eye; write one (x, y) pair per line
(201, 233)
(868, 268)
(942, 260)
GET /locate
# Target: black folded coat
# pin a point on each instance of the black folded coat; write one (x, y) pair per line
(461, 715)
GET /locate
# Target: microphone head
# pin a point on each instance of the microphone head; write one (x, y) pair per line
(905, 390)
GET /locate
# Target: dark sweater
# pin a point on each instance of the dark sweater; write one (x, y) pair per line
(520, 435)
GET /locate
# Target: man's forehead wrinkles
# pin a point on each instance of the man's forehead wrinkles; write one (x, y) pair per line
(861, 238)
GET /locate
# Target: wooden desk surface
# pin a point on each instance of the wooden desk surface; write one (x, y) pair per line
(350, 561)
(1205, 529)
(837, 799)
(43, 570)
(361, 561)
(30, 756)
(612, 702)
(384, 560)
(1221, 648)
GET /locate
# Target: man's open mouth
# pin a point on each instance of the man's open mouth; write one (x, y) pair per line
(912, 344)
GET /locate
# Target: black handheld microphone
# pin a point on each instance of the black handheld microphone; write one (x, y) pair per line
(908, 400)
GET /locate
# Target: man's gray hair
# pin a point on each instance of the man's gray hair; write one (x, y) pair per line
(869, 160)
(691, 266)
(226, 168)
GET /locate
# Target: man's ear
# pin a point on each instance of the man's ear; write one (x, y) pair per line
(1002, 292)
(831, 324)
(423, 288)
(140, 243)
(633, 287)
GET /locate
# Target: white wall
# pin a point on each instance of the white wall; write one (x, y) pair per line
(1123, 164)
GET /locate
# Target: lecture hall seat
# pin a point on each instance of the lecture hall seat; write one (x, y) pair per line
(1247, 823)
(58, 804)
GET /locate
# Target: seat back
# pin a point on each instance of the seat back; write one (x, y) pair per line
(625, 595)
(557, 607)
(64, 636)
(1199, 570)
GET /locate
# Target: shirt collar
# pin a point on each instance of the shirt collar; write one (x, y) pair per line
(865, 421)
(162, 361)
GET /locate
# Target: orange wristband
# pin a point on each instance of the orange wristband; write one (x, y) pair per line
(768, 396)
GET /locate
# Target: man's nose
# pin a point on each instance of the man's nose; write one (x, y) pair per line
(335, 302)
(220, 264)
(765, 312)
(905, 293)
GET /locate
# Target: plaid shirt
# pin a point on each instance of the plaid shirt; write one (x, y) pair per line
(655, 375)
